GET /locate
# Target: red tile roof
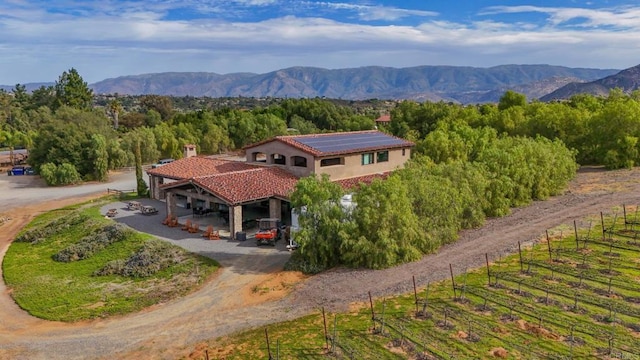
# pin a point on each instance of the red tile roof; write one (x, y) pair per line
(384, 118)
(236, 187)
(354, 182)
(291, 140)
(198, 166)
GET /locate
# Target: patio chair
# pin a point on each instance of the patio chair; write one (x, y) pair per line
(166, 220)
(173, 222)
(194, 228)
(214, 235)
(208, 231)
(187, 225)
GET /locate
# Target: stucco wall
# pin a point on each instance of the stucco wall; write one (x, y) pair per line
(277, 147)
(353, 165)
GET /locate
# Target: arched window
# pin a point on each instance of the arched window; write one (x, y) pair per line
(299, 161)
(278, 159)
(258, 157)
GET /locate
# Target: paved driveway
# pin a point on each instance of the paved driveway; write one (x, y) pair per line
(19, 191)
(225, 251)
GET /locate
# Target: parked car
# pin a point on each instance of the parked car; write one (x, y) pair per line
(29, 171)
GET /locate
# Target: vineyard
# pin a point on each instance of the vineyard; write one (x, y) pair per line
(574, 294)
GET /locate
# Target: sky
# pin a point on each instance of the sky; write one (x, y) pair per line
(40, 39)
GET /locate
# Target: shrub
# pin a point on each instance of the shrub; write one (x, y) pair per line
(154, 256)
(91, 244)
(64, 174)
(36, 235)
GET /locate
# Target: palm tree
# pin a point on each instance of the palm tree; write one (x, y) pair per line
(114, 108)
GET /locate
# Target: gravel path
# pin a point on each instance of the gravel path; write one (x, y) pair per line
(171, 330)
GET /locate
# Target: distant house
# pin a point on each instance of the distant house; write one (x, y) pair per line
(383, 119)
(272, 169)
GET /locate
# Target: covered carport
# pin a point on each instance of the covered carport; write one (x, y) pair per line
(232, 193)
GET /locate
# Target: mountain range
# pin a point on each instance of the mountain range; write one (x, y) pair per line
(434, 83)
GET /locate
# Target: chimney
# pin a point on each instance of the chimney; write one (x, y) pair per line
(189, 150)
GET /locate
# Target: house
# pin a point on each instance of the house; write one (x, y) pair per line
(383, 119)
(272, 169)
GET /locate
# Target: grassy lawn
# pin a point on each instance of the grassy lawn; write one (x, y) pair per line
(578, 300)
(70, 291)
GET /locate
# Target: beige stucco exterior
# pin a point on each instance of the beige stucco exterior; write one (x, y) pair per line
(350, 164)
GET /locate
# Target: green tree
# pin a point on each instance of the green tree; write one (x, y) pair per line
(114, 108)
(71, 90)
(323, 222)
(386, 230)
(511, 99)
(99, 157)
(141, 185)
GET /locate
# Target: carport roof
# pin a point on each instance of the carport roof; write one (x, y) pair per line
(198, 166)
(242, 186)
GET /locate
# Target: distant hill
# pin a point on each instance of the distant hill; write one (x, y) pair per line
(434, 83)
(30, 86)
(628, 80)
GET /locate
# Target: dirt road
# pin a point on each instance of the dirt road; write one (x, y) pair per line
(228, 304)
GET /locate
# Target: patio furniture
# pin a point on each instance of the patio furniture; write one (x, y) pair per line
(173, 222)
(194, 228)
(211, 234)
(187, 225)
(112, 212)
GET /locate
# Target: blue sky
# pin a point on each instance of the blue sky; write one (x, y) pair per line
(40, 39)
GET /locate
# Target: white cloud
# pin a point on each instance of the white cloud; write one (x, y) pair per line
(619, 18)
(102, 40)
(376, 12)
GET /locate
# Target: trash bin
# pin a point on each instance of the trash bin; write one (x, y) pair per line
(241, 236)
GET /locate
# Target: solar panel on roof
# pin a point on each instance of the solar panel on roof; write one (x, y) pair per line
(349, 141)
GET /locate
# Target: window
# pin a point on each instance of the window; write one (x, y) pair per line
(403, 150)
(278, 159)
(332, 161)
(367, 158)
(259, 157)
(299, 161)
(383, 156)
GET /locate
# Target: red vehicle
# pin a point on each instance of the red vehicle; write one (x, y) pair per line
(269, 231)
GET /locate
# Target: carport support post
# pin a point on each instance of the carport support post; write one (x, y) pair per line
(275, 208)
(171, 204)
(235, 220)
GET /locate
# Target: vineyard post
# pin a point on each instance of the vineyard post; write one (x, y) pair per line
(453, 282)
(520, 253)
(206, 354)
(604, 230)
(326, 336)
(549, 245)
(373, 314)
(609, 289)
(415, 293)
(426, 298)
(624, 213)
(266, 334)
(278, 349)
(486, 257)
(575, 230)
